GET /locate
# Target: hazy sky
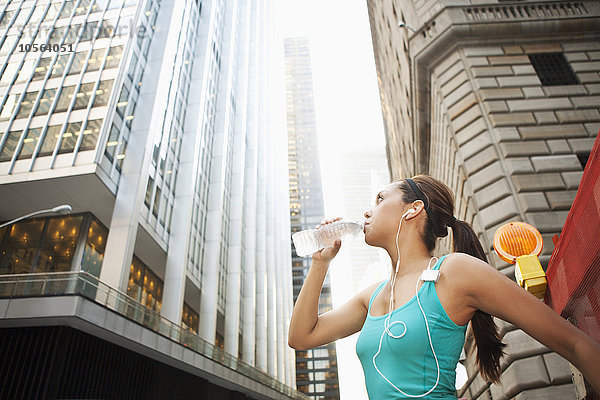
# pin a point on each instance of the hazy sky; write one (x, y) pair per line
(348, 112)
(348, 117)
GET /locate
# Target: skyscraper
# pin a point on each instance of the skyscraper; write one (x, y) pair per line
(150, 118)
(316, 369)
(364, 172)
(500, 101)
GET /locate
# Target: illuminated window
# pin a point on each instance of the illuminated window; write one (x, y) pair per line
(30, 142)
(50, 139)
(27, 104)
(66, 94)
(45, 102)
(69, 137)
(10, 145)
(103, 93)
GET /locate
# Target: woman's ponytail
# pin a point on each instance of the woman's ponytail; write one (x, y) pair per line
(487, 338)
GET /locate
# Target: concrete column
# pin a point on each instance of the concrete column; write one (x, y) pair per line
(234, 271)
(189, 165)
(216, 189)
(134, 174)
(250, 194)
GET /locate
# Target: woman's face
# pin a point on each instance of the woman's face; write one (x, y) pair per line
(383, 218)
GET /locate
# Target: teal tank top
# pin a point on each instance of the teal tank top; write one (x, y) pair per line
(408, 361)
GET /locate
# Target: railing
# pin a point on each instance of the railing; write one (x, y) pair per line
(526, 11)
(88, 286)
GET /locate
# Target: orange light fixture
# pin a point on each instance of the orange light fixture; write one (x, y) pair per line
(517, 239)
(520, 244)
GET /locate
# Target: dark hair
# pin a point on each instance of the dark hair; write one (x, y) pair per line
(440, 216)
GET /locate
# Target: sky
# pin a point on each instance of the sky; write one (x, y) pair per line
(348, 115)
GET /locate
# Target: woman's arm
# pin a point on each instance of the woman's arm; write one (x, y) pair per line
(490, 291)
(308, 329)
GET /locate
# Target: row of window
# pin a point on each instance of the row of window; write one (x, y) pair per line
(82, 99)
(68, 136)
(49, 244)
(58, 66)
(56, 8)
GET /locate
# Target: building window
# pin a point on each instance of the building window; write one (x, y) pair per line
(553, 69)
(114, 57)
(94, 248)
(10, 145)
(103, 93)
(45, 102)
(52, 135)
(144, 286)
(189, 318)
(69, 138)
(64, 99)
(90, 135)
(30, 143)
(27, 104)
(49, 244)
(83, 96)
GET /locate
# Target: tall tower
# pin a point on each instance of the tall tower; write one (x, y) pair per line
(364, 172)
(151, 119)
(316, 369)
(500, 101)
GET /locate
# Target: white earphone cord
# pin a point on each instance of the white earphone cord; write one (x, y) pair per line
(387, 324)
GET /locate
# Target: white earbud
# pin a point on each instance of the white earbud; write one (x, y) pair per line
(411, 211)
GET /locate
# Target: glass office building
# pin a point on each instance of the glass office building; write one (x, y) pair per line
(316, 369)
(150, 119)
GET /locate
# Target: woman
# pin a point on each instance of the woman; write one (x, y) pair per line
(413, 326)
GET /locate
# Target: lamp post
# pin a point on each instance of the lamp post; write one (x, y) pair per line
(63, 209)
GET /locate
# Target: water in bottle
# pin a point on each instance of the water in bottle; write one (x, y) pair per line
(309, 241)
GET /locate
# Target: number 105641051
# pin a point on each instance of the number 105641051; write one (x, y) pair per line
(55, 48)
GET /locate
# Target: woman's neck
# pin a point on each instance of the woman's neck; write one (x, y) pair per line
(413, 259)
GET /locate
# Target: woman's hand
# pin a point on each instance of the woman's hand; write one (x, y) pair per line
(327, 254)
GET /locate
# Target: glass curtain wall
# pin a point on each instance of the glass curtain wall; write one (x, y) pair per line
(52, 245)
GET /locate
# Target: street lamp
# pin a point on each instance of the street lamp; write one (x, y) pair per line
(63, 209)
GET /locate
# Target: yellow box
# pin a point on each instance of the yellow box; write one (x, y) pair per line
(530, 275)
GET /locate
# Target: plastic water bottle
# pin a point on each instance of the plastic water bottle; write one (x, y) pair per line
(312, 240)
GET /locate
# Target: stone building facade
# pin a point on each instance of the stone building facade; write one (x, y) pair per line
(501, 101)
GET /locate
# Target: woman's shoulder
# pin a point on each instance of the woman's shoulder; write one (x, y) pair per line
(366, 293)
(462, 265)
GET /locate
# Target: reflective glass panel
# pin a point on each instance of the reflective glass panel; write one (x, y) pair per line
(90, 135)
(59, 66)
(67, 9)
(50, 140)
(69, 138)
(77, 63)
(66, 94)
(29, 143)
(10, 145)
(42, 68)
(83, 96)
(94, 248)
(114, 57)
(111, 144)
(95, 60)
(58, 244)
(27, 104)
(103, 93)
(45, 102)
(19, 250)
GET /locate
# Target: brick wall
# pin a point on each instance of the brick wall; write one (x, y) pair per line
(515, 143)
